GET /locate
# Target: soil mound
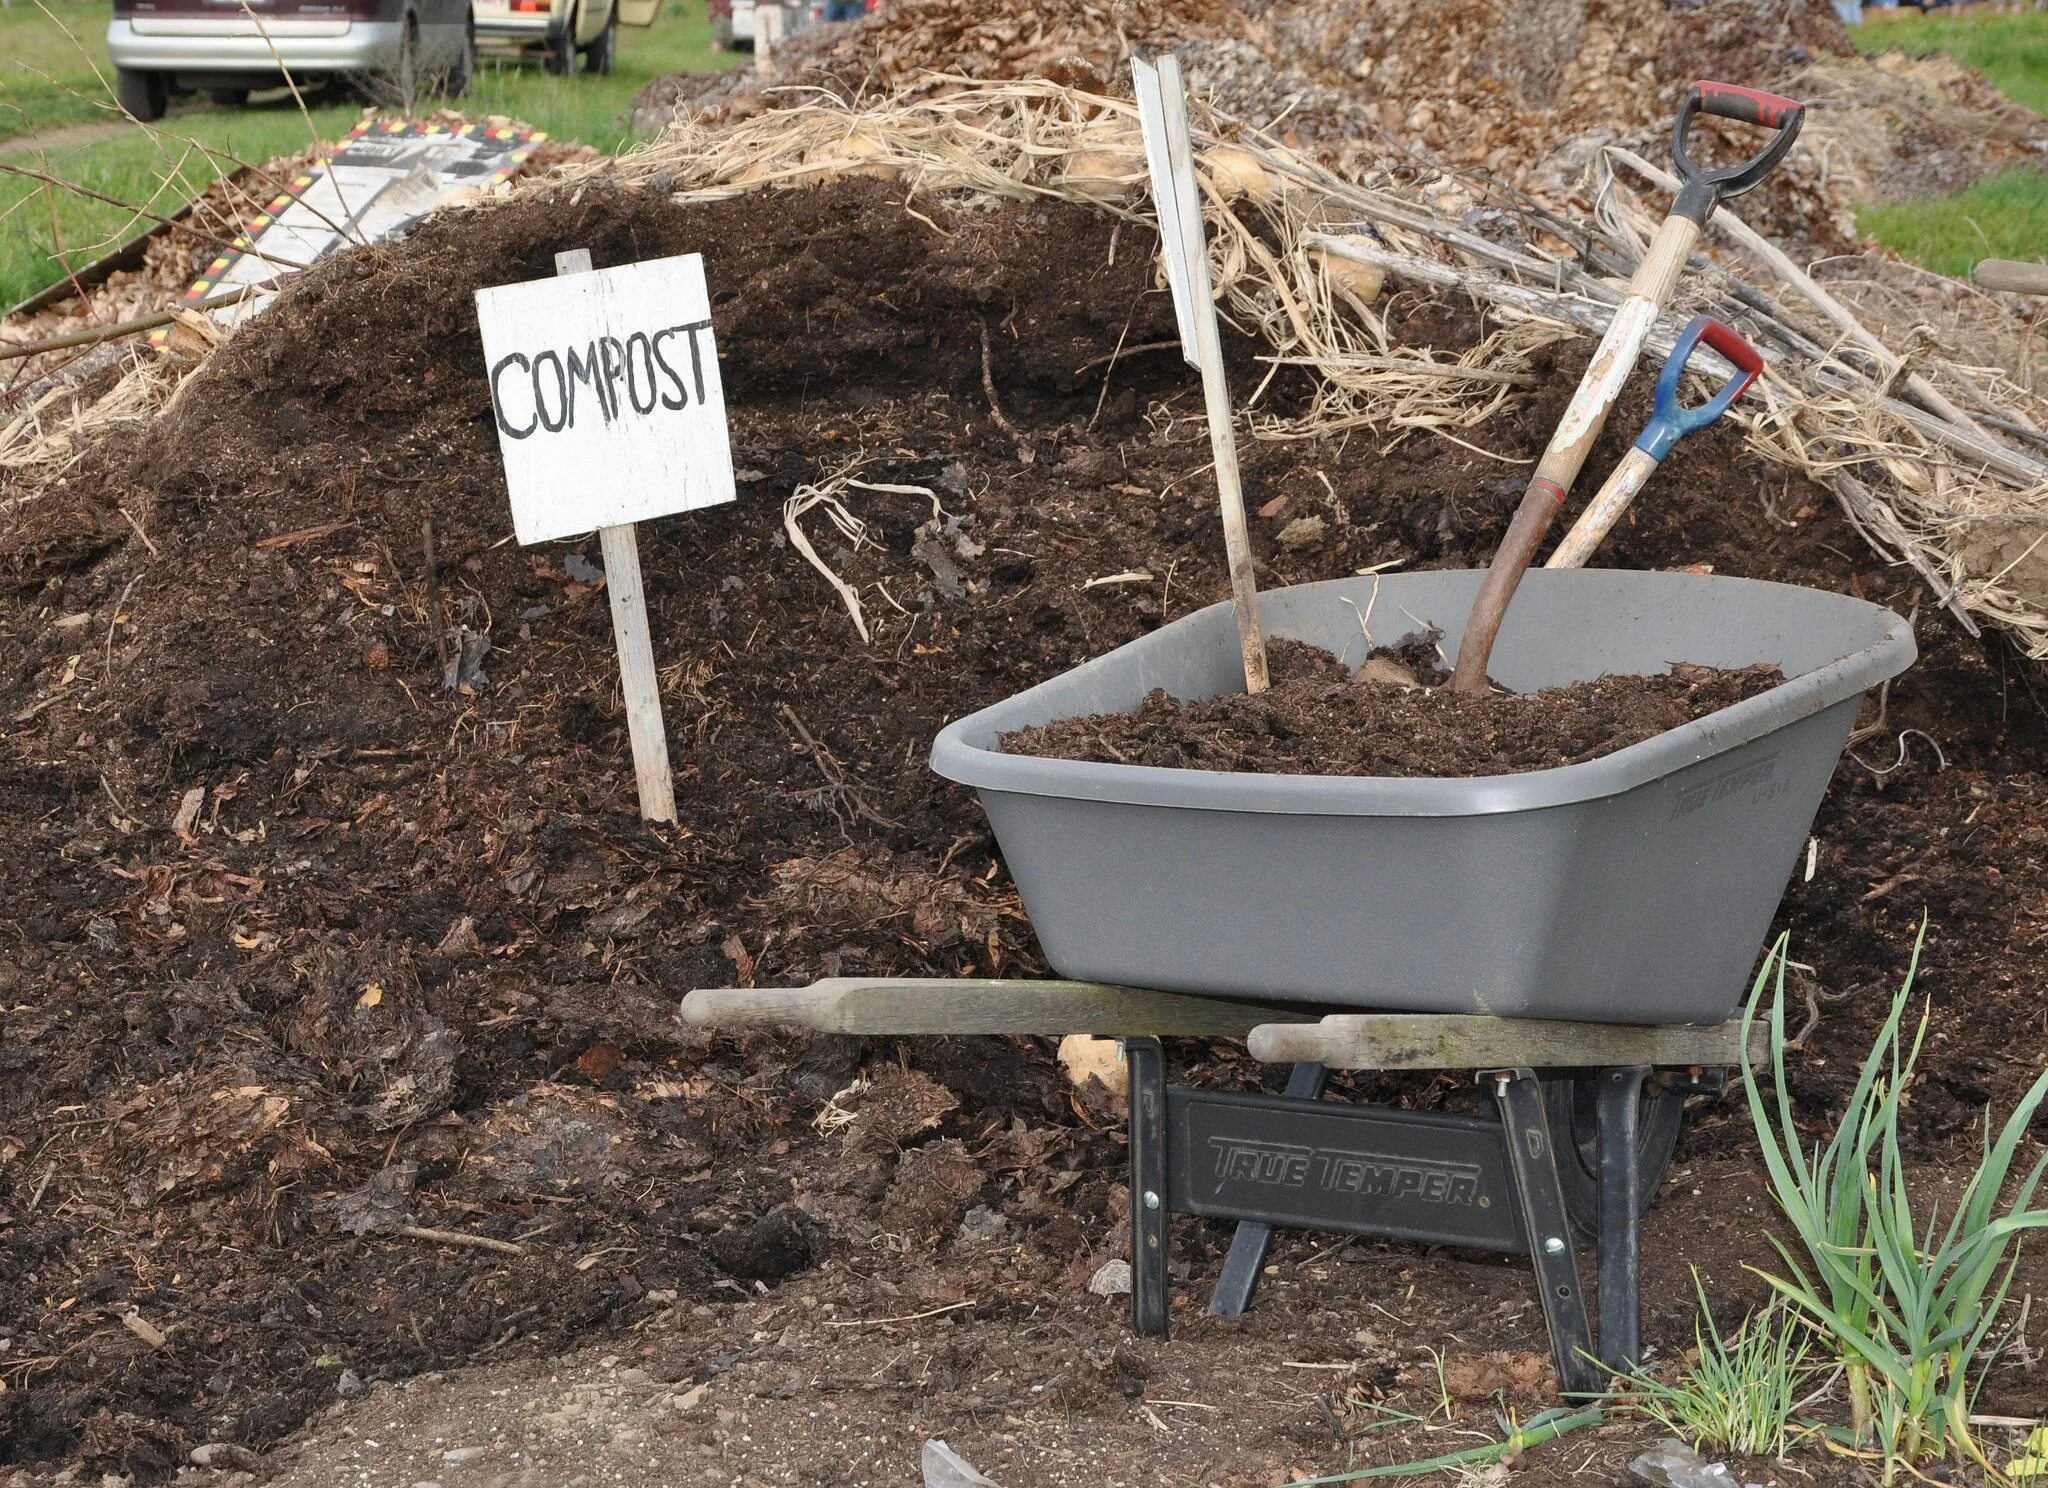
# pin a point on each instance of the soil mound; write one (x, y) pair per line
(1321, 718)
(316, 959)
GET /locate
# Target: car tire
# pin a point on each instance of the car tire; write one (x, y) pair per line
(405, 77)
(228, 97)
(462, 76)
(600, 54)
(143, 96)
(561, 59)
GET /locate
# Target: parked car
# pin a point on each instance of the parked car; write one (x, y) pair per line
(231, 48)
(561, 31)
(740, 24)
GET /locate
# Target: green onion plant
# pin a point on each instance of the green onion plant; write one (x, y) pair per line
(1907, 1308)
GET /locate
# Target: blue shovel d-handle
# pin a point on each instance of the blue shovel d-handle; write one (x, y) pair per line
(1671, 420)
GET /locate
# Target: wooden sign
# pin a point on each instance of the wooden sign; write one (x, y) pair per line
(1177, 196)
(607, 396)
(609, 408)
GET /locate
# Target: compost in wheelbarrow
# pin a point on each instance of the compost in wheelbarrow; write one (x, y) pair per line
(1633, 888)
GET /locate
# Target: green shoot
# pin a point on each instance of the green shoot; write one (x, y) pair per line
(1740, 1394)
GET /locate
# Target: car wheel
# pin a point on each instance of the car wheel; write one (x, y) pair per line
(405, 77)
(228, 97)
(562, 51)
(600, 54)
(463, 74)
(143, 96)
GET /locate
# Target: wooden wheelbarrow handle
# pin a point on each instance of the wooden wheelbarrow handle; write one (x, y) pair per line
(969, 1005)
(2011, 275)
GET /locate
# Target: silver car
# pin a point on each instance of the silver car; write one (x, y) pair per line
(231, 48)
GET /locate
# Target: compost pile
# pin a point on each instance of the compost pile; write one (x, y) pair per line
(327, 950)
(1322, 717)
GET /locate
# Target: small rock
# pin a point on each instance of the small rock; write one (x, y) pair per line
(983, 1224)
(1111, 1279)
(226, 1455)
(1384, 671)
(462, 1454)
(429, 1483)
(1672, 1464)
(350, 1385)
(1302, 532)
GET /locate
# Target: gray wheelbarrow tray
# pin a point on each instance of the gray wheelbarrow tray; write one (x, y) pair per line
(1634, 888)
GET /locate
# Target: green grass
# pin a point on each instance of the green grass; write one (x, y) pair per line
(2010, 49)
(1740, 1391)
(2001, 216)
(57, 117)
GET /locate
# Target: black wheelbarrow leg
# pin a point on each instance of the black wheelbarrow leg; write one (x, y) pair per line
(1533, 1165)
(1254, 1237)
(1621, 1226)
(1146, 1060)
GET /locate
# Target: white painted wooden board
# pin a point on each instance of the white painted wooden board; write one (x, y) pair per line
(1167, 192)
(1183, 236)
(607, 396)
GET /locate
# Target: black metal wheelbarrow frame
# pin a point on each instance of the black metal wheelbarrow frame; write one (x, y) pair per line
(1585, 1117)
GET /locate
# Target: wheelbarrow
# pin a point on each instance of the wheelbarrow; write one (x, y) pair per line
(1579, 937)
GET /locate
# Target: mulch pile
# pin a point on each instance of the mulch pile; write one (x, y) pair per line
(1322, 717)
(1526, 91)
(315, 958)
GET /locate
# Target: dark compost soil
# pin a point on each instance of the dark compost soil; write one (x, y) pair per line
(1322, 717)
(309, 955)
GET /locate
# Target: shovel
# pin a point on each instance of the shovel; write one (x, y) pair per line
(1700, 191)
(1670, 421)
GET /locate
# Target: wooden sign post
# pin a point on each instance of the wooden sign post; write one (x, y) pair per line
(610, 411)
(1170, 157)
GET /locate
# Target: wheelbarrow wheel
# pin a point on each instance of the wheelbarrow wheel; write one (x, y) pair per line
(1572, 1106)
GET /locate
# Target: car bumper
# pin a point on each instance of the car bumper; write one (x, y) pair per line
(518, 30)
(236, 46)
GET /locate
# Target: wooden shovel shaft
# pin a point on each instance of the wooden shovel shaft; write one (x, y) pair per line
(1603, 511)
(1584, 418)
